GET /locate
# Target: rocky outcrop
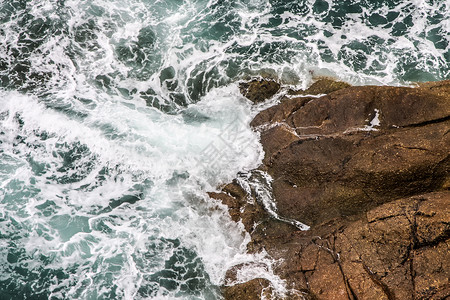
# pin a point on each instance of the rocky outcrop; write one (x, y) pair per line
(252, 290)
(399, 250)
(368, 168)
(354, 149)
(259, 90)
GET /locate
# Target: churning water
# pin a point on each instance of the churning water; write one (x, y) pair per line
(116, 117)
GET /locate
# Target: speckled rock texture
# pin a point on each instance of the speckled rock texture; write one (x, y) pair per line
(369, 169)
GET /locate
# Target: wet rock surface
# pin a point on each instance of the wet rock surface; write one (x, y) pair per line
(252, 290)
(368, 168)
(259, 90)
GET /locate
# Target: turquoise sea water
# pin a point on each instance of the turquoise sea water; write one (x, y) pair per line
(116, 118)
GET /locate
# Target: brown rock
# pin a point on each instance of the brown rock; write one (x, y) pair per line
(387, 248)
(327, 160)
(440, 88)
(376, 257)
(259, 90)
(356, 107)
(280, 112)
(254, 289)
(430, 266)
(431, 220)
(360, 165)
(277, 138)
(315, 180)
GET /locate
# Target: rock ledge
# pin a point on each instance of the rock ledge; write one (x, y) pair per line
(368, 168)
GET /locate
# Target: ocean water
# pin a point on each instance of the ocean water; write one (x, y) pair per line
(116, 118)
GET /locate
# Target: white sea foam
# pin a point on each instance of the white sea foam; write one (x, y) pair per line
(150, 149)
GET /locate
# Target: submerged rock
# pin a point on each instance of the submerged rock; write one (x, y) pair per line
(369, 169)
(259, 90)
